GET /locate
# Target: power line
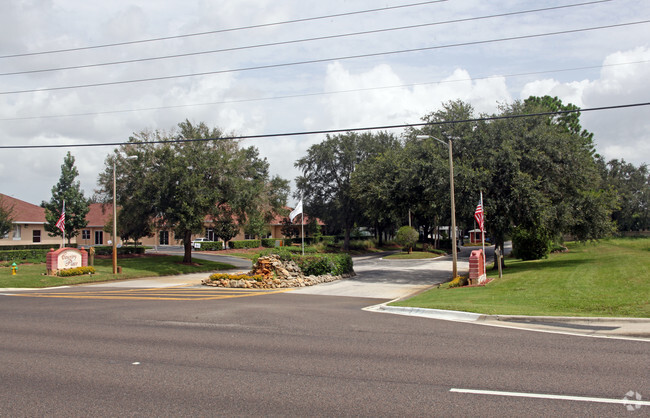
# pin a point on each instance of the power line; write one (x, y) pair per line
(322, 60)
(262, 25)
(294, 41)
(331, 131)
(291, 96)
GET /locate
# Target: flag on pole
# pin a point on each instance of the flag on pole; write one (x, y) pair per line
(478, 215)
(61, 222)
(297, 211)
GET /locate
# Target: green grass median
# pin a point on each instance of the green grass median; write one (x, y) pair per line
(31, 275)
(610, 278)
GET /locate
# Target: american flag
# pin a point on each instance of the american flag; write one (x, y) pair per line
(478, 215)
(61, 222)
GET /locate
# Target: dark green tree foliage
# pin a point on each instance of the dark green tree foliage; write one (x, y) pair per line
(6, 218)
(632, 187)
(256, 226)
(76, 205)
(530, 244)
(536, 173)
(288, 229)
(375, 184)
(182, 184)
(225, 227)
(327, 170)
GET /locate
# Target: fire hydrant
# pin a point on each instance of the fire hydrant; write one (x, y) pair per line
(14, 269)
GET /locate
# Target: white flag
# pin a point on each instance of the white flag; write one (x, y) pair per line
(297, 211)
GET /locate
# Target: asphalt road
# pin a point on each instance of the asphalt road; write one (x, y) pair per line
(291, 354)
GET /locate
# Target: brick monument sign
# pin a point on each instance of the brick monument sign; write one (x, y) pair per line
(65, 258)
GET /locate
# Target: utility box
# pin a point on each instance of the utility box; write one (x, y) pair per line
(477, 267)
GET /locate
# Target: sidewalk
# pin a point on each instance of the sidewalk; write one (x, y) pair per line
(622, 328)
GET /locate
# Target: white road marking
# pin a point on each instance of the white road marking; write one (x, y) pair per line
(548, 396)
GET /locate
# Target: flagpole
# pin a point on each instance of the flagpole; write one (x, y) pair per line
(302, 226)
(483, 230)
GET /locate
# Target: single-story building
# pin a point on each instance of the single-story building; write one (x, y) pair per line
(29, 227)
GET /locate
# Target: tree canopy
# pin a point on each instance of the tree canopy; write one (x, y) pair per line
(182, 178)
(539, 174)
(76, 205)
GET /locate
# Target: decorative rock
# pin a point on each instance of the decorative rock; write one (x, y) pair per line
(277, 274)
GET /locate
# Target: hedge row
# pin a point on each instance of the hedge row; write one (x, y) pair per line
(108, 250)
(210, 246)
(34, 247)
(249, 243)
(11, 255)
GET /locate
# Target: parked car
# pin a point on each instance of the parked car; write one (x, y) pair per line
(196, 244)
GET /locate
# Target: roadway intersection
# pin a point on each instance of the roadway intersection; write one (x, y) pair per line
(127, 349)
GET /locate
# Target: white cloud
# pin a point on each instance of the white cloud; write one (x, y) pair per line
(624, 79)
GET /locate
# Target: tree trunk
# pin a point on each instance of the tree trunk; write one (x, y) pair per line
(187, 244)
(346, 241)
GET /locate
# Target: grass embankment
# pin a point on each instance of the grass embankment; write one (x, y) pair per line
(610, 279)
(31, 275)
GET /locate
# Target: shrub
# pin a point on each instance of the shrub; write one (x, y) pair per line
(320, 264)
(407, 237)
(313, 264)
(270, 242)
(249, 243)
(530, 244)
(225, 276)
(361, 245)
(211, 246)
(77, 271)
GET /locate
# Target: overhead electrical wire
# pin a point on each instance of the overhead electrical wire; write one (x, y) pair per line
(322, 60)
(295, 41)
(261, 25)
(291, 96)
(330, 131)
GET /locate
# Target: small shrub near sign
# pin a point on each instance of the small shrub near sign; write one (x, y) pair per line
(77, 271)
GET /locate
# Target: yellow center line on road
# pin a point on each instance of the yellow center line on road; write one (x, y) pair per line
(154, 294)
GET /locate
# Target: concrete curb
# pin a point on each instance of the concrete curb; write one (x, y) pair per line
(427, 313)
(637, 329)
(566, 319)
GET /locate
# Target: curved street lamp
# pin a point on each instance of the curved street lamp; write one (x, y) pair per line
(454, 251)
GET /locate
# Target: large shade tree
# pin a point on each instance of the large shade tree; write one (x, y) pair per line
(183, 178)
(325, 183)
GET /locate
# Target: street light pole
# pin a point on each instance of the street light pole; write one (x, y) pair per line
(454, 250)
(114, 223)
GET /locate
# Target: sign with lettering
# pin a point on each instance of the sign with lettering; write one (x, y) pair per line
(69, 259)
(65, 258)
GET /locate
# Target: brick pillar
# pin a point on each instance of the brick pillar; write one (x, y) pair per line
(477, 267)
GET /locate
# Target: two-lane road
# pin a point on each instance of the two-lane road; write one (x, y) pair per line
(292, 354)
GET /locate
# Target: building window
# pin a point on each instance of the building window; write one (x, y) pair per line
(99, 237)
(209, 235)
(85, 234)
(36, 235)
(17, 232)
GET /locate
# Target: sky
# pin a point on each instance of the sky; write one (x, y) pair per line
(255, 67)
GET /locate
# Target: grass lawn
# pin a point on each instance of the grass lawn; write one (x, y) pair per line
(610, 279)
(415, 255)
(31, 275)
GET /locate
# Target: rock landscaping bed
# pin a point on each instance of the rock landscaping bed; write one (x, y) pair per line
(270, 272)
